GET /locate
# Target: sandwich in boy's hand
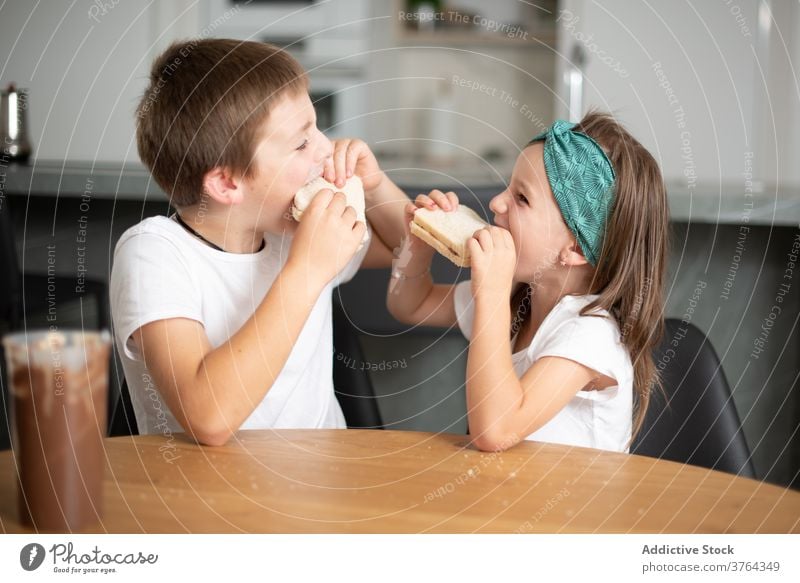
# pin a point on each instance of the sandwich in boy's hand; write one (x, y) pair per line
(448, 231)
(353, 191)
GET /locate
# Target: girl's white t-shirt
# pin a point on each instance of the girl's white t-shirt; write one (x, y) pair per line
(598, 419)
(161, 271)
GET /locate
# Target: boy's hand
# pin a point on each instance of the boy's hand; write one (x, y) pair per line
(494, 259)
(350, 157)
(328, 237)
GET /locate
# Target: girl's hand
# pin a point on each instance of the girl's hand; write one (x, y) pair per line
(447, 201)
(435, 199)
(494, 259)
(351, 156)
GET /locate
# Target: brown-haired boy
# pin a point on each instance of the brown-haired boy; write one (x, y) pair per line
(223, 311)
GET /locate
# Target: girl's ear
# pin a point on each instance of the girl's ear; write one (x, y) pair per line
(572, 256)
(222, 186)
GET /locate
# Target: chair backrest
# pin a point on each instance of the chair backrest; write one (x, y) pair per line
(123, 419)
(696, 421)
(5, 416)
(11, 280)
(10, 308)
(350, 378)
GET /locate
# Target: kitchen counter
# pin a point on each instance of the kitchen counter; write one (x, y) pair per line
(475, 181)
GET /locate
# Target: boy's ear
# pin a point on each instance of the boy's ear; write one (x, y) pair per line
(572, 256)
(222, 186)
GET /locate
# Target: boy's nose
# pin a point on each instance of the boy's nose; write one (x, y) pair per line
(325, 149)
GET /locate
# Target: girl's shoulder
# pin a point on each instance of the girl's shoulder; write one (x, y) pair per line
(573, 304)
(593, 340)
(566, 318)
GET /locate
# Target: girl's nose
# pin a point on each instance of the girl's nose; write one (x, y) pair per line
(499, 204)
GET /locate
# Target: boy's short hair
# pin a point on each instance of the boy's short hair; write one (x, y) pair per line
(203, 107)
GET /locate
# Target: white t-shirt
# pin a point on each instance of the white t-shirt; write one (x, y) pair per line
(599, 419)
(161, 271)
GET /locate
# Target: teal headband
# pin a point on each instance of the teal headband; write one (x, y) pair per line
(582, 180)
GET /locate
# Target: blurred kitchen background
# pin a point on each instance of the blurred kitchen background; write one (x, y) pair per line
(447, 93)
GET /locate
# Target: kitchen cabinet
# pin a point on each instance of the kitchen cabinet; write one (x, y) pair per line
(706, 86)
(474, 23)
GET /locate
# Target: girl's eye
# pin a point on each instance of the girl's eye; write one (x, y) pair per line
(521, 198)
(303, 145)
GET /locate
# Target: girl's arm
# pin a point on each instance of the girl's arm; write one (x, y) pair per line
(413, 298)
(502, 408)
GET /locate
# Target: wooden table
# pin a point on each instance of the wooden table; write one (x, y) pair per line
(346, 481)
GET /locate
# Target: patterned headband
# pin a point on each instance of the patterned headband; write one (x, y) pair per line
(582, 180)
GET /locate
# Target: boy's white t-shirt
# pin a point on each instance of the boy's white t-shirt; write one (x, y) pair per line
(598, 419)
(161, 271)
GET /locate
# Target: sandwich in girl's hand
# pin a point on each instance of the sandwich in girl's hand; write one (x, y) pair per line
(448, 232)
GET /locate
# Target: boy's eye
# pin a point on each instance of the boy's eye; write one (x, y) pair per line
(521, 198)
(303, 145)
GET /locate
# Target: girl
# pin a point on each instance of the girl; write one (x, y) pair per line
(565, 302)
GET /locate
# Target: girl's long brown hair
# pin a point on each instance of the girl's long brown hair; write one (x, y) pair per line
(630, 270)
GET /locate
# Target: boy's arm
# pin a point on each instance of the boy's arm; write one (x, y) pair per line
(385, 201)
(414, 299)
(211, 392)
(386, 213)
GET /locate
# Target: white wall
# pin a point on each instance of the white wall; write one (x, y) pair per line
(408, 75)
(780, 118)
(85, 74)
(505, 119)
(712, 55)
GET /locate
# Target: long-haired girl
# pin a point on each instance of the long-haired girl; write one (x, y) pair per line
(565, 302)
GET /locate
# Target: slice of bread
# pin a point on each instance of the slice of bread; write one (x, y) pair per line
(353, 190)
(448, 231)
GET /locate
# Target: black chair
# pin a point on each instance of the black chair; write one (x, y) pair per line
(24, 294)
(123, 419)
(697, 423)
(350, 379)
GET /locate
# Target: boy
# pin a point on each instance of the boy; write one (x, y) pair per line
(222, 312)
